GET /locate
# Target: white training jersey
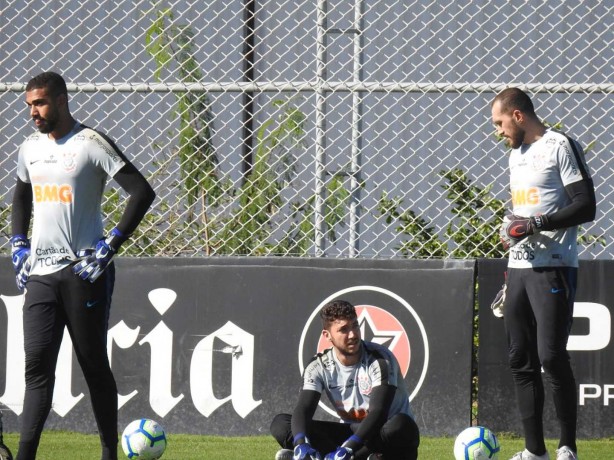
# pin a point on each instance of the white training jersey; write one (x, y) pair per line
(539, 173)
(349, 387)
(68, 177)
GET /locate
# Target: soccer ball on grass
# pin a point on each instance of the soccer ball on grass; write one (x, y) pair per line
(476, 443)
(144, 439)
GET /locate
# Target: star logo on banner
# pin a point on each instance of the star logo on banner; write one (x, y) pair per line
(370, 331)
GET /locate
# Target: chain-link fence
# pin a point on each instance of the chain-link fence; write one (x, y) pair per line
(339, 128)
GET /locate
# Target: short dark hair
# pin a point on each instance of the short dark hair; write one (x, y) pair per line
(511, 99)
(53, 82)
(336, 309)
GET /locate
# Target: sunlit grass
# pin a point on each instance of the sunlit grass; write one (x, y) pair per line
(62, 445)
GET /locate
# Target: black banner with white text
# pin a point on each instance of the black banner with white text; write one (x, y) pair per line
(216, 346)
(590, 347)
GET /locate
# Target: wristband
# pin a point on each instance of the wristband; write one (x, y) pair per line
(353, 442)
(354, 438)
(115, 239)
(19, 240)
(540, 221)
(299, 437)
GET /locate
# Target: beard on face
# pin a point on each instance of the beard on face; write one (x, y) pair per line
(46, 128)
(516, 137)
(515, 141)
(347, 350)
(49, 123)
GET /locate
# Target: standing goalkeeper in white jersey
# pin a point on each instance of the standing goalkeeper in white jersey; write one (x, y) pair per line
(65, 268)
(552, 193)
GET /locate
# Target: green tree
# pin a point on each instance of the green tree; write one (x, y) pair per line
(248, 230)
(214, 215)
(474, 227)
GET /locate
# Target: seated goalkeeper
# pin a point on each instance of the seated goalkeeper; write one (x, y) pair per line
(365, 385)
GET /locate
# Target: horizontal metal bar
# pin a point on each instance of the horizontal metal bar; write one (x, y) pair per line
(312, 86)
(343, 31)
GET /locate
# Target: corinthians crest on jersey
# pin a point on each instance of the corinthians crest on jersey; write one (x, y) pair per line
(69, 161)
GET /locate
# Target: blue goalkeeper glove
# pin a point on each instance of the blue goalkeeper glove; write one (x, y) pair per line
(93, 265)
(20, 251)
(306, 452)
(23, 275)
(342, 453)
(20, 255)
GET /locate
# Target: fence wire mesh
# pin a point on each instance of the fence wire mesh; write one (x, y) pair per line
(339, 128)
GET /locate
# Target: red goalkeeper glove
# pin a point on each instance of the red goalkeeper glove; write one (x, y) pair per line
(515, 228)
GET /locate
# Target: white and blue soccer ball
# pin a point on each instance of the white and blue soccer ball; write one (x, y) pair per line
(476, 443)
(144, 439)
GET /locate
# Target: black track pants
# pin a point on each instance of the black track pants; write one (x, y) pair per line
(398, 439)
(538, 317)
(53, 302)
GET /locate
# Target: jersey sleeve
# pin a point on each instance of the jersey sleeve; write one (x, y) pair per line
(312, 377)
(105, 154)
(22, 170)
(571, 160)
(383, 371)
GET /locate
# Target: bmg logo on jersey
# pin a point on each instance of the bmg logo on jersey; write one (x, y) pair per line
(526, 196)
(384, 318)
(52, 193)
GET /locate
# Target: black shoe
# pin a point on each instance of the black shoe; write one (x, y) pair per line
(5, 453)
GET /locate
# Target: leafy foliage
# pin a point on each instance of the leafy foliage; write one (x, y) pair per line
(208, 213)
(474, 227)
(249, 227)
(171, 47)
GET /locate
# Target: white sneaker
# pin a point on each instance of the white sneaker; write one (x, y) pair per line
(526, 455)
(565, 453)
(284, 454)
(375, 457)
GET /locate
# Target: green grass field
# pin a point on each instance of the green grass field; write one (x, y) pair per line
(60, 445)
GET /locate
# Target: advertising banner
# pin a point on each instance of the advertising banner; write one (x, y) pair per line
(590, 347)
(216, 346)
